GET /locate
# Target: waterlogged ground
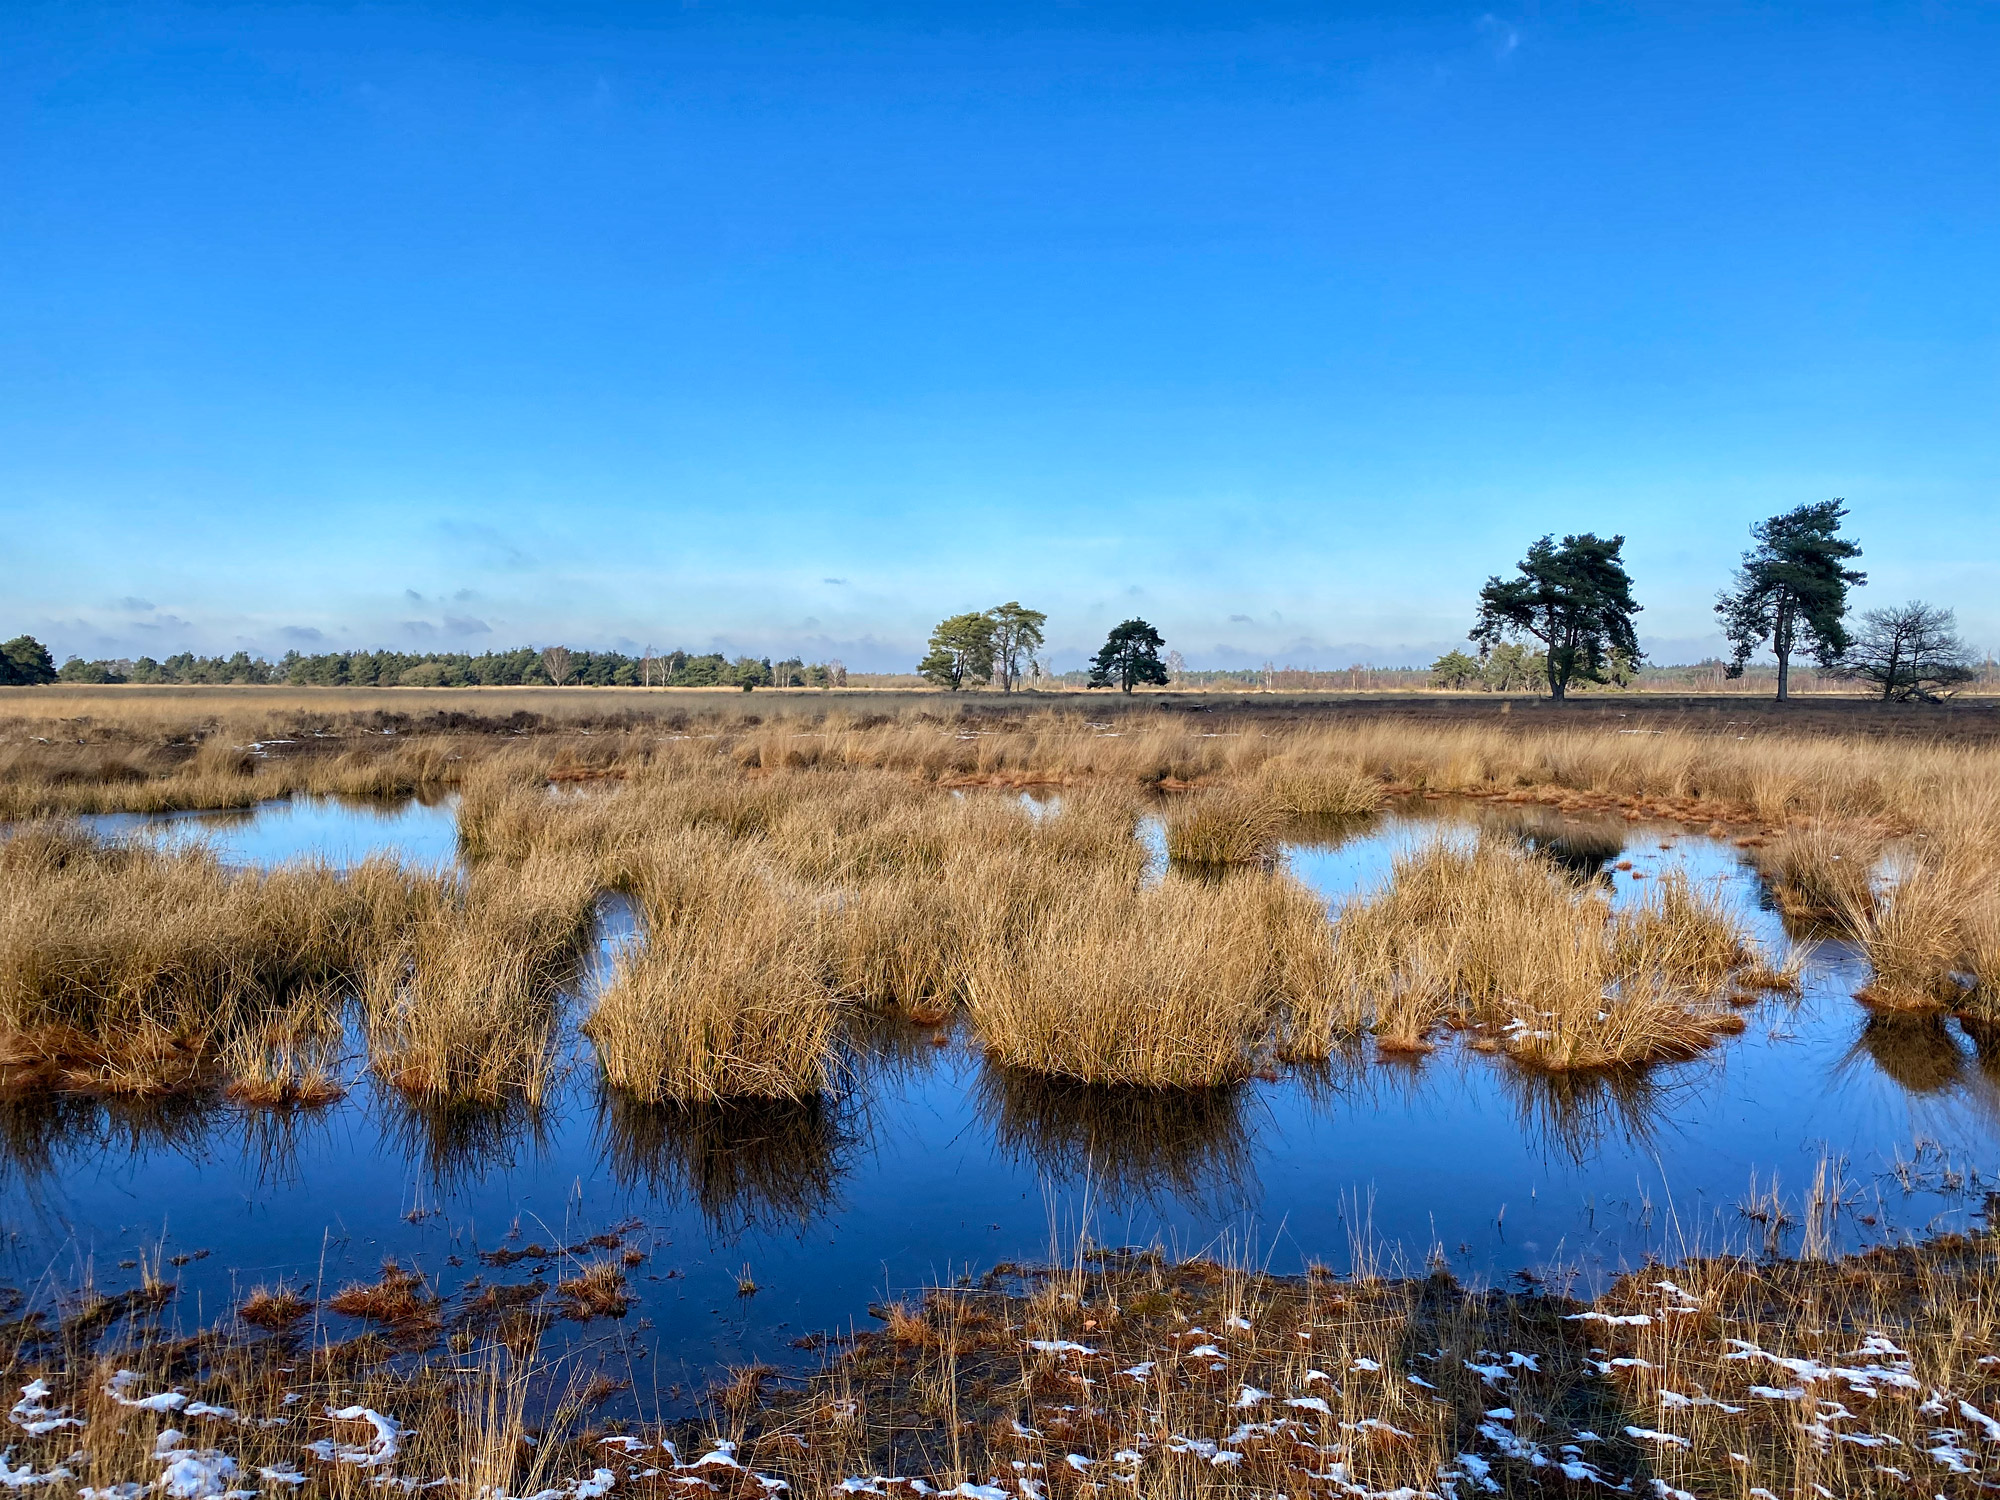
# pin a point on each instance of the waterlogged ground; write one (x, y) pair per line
(933, 1166)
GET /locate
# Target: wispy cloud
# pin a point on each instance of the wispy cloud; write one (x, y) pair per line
(1502, 37)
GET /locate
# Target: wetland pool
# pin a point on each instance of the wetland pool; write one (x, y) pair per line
(932, 1165)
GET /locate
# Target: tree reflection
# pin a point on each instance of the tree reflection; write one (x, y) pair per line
(761, 1165)
(1132, 1143)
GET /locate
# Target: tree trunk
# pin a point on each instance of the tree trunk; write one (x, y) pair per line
(1781, 647)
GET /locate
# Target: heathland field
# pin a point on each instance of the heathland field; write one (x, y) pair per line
(1401, 994)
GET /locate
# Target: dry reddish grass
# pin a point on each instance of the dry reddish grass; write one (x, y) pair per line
(399, 1298)
(274, 1309)
(599, 1290)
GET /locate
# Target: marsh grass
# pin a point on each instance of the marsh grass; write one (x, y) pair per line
(1168, 987)
(597, 1290)
(1819, 873)
(126, 968)
(1324, 790)
(1205, 1378)
(887, 869)
(292, 1055)
(1914, 928)
(1162, 1376)
(465, 1008)
(726, 997)
(1222, 827)
(1503, 943)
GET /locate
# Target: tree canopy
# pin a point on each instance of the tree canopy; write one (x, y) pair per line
(25, 662)
(1575, 598)
(961, 651)
(1017, 636)
(1910, 651)
(1791, 590)
(1131, 655)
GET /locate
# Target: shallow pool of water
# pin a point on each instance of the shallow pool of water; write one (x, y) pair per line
(340, 830)
(932, 1165)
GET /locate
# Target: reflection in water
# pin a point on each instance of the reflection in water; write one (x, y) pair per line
(1329, 831)
(44, 1135)
(1581, 846)
(460, 1145)
(1130, 1143)
(756, 1165)
(1576, 1114)
(1918, 1053)
(274, 1141)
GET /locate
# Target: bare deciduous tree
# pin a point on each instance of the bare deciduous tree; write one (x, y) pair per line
(1910, 651)
(556, 662)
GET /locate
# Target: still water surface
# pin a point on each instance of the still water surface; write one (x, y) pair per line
(933, 1165)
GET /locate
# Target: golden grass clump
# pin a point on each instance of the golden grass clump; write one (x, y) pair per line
(726, 997)
(274, 1309)
(1222, 827)
(1914, 929)
(128, 968)
(1499, 941)
(900, 943)
(598, 1290)
(399, 1298)
(1819, 872)
(291, 1055)
(465, 1009)
(1163, 988)
(1325, 790)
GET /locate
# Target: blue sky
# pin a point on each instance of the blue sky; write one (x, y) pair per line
(778, 328)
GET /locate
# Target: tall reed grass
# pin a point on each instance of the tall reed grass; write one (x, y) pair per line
(726, 998)
(1502, 942)
(465, 1007)
(1162, 988)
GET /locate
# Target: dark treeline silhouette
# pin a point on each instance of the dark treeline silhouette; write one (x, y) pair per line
(526, 667)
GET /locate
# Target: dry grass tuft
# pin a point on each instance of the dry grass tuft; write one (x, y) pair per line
(1503, 942)
(1323, 790)
(399, 1298)
(725, 999)
(274, 1309)
(1819, 872)
(162, 962)
(1915, 931)
(599, 1290)
(466, 1008)
(1162, 988)
(1222, 827)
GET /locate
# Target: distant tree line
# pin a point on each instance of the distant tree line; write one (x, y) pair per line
(25, 661)
(1566, 618)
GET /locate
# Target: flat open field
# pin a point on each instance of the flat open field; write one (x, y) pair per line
(1965, 717)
